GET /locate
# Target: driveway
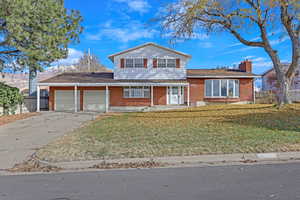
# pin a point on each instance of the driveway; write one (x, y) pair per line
(20, 139)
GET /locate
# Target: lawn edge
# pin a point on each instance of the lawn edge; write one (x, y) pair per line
(179, 160)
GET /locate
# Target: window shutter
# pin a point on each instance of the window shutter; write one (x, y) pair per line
(145, 62)
(155, 62)
(122, 63)
(177, 63)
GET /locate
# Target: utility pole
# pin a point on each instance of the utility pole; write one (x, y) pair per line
(89, 61)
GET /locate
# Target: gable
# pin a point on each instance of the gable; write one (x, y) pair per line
(149, 50)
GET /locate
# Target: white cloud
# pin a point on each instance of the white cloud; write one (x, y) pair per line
(73, 57)
(206, 45)
(279, 40)
(141, 6)
(238, 50)
(131, 31)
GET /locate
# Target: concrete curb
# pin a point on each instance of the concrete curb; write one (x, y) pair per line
(187, 160)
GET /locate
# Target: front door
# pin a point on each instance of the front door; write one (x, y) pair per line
(175, 95)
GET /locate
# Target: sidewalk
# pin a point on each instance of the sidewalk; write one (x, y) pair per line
(187, 160)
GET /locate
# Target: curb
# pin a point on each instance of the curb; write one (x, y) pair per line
(186, 160)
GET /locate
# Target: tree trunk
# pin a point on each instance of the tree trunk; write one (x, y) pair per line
(284, 95)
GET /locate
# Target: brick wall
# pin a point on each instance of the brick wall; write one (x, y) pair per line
(116, 96)
(197, 91)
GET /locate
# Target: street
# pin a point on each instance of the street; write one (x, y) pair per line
(244, 182)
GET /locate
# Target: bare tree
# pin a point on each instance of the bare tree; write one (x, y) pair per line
(89, 63)
(185, 17)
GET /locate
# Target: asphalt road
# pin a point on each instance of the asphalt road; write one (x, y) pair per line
(255, 182)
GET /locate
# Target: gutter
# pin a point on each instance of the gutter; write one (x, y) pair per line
(257, 76)
(113, 84)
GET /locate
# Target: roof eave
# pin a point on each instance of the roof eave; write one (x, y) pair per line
(222, 76)
(111, 57)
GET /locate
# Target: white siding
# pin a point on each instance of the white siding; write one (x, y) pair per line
(150, 52)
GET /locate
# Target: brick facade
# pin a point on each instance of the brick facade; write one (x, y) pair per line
(116, 96)
(197, 91)
(160, 94)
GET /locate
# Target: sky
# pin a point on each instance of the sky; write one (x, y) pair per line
(111, 26)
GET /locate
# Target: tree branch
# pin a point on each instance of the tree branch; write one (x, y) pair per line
(9, 51)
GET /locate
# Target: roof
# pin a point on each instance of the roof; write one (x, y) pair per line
(205, 73)
(111, 57)
(102, 77)
(285, 65)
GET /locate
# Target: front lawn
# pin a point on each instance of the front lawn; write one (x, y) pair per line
(204, 130)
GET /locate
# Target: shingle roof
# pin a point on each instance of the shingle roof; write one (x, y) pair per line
(218, 72)
(101, 77)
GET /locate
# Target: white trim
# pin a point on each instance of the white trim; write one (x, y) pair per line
(132, 88)
(152, 102)
(111, 57)
(134, 62)
(224, 77)
(113, 84)
(75, 98)
(188, 95)
(167, 94)
(106, 99)
(220, 91)
(38, 99)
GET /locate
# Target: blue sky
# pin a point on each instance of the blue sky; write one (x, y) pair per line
(114, 25)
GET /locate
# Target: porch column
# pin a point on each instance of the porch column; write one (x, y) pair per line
(152, 103)
(188, 95)
(106, 99)
(75, 97)
(38, 99)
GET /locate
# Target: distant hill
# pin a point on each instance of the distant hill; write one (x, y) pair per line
(20, 80)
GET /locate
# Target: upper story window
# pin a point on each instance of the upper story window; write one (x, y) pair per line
(222, 88)
(134, 63)
(164, 63)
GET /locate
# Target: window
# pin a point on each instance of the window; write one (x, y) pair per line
(222, 88)
(163, 63)
(171, 63)
(136, 92)
(134, 63)
(139, 63)
(129, 63)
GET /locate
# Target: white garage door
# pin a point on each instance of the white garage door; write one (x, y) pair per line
(64, 100)
(94, 100)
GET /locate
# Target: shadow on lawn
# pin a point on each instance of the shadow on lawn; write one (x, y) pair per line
(207, 110)
(283, 121)
(286, 120)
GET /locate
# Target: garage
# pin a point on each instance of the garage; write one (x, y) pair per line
(94, 100)
(65, 101)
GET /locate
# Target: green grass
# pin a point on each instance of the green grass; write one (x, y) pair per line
(203, 130)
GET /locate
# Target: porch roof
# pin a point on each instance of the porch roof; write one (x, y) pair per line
(216, 73)
(104, 78)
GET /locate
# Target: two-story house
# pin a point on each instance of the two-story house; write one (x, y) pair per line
(270, 83)
(149, 75)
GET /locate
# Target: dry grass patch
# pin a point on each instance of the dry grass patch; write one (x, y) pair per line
(12, 118)
(193, 131)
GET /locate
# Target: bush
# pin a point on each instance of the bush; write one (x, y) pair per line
(10, 97)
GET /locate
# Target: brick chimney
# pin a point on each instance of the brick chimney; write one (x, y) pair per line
(246, 66)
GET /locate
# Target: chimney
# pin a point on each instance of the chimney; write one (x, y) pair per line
(246, 66)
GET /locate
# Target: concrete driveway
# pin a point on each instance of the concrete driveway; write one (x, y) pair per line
(20, 139)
